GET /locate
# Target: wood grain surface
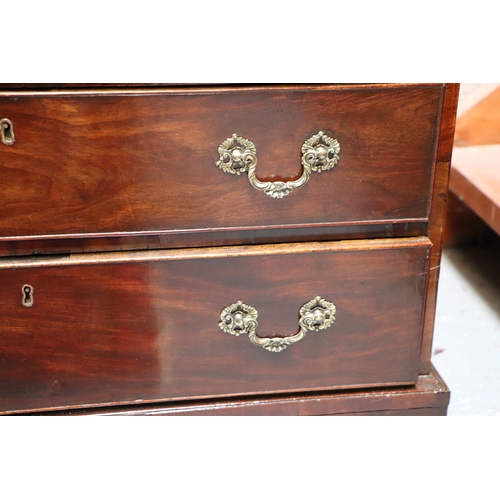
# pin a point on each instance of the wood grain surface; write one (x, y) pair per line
(476, 178)
(429, 397)
(137, 327)
(140, 163)
(480, 125)
(439, 198)
(121, 181)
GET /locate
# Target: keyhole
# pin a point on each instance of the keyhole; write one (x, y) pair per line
(7, 131)
(27, 296)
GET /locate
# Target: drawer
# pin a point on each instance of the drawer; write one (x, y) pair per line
(116, 163)
(139, 327)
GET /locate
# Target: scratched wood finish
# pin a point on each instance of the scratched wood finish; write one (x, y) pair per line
(429, 397)
(124, 328)
(125, 162)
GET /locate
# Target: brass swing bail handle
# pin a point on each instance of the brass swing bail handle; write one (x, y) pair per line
(238, 155)
(239, 319)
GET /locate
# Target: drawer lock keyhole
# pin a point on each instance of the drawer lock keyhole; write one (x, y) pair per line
(7, 131)
(27, 296)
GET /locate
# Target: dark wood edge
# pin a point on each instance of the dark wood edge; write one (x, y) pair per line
(226, 230)
(214, 252)
(430, 393)
(32, 246)
(437, 216)
(448, 122)
(16, 89)
(410, 412)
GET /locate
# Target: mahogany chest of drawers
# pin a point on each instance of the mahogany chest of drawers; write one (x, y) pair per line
(222, 249)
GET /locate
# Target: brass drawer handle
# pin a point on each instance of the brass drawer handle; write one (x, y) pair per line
(239, 319)
(238, 155)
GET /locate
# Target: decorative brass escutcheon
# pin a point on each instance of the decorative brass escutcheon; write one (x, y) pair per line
(238, 155)
(7, 131)
(239, 319)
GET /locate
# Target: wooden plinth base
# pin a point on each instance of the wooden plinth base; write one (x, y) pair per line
(430, 397)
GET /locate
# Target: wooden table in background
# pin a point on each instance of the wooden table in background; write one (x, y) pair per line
(475, 171)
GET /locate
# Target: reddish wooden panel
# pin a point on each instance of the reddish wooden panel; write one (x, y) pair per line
(480, 125)
(143, 162)
(475, 178)
(439, 197)
(429, 397)
(138, 327)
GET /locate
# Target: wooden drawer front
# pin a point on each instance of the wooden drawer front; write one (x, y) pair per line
(136, 162)
(113, 329)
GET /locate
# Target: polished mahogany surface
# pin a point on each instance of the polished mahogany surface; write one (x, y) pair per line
(107, 329)
(142, 162)
(117, 225)
(439, 198)
(429, 396)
